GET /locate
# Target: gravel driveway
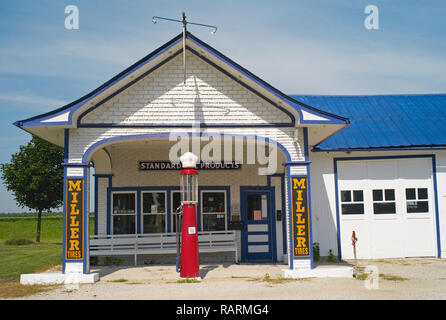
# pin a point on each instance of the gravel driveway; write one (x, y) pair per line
(420, 278)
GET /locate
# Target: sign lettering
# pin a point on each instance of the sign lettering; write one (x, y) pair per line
(167, 165)
(300, 217)
(74, 208)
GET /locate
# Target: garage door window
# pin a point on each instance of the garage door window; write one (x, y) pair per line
(384, 201)
(417, 200)
(352, 202)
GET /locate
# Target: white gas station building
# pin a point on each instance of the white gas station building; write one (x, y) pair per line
(375, 165)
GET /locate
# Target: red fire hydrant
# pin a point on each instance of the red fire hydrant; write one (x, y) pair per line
(354, 239)
(189, 267)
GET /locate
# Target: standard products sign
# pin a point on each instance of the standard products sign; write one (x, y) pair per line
(74, 219)
(167, 165)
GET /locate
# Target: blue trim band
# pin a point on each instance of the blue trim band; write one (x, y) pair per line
(419, 148)
(166, 135)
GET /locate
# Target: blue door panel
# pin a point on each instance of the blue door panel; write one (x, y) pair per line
(268, 255)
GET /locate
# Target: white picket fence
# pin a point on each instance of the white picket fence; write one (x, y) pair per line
(159, 243)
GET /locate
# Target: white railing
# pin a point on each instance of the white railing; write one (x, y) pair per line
(159, 243)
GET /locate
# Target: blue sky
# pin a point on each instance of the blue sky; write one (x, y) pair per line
(300, 47)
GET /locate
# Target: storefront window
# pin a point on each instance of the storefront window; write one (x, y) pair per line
(154, 212)
(124, 213)
(213, 210)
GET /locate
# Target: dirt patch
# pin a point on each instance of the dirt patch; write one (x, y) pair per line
(13, 289)
(396, 279)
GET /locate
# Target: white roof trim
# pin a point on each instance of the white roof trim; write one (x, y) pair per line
(59, 118)
(312, 117)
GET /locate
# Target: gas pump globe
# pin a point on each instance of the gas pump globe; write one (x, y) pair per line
(189, 198)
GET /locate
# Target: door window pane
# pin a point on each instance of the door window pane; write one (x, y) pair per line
(377, 195)
(358, 196)
(413, 205)
(384, 208)
(384, 201)
(422, 193)
(417, 206)
(352, 207)
(176, 202)
(346, 196)
(256, 207)
(389, 194)
(410, 194)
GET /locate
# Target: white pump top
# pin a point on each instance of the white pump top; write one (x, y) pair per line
(189, 160)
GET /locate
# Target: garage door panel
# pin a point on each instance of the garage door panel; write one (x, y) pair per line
(352, 171)
(386, 242)
(381, 170)
(419, 237)
(415, 169)
(388, 235)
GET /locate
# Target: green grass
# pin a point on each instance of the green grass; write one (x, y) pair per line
(20, 254)
(24, 227)
(16, 260)
(188, 280)
(18, 230)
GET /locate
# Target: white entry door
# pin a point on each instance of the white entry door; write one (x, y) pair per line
(390, 206)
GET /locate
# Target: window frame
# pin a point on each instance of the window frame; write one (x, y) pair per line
(428, 200)
(385, 201)
(225, 202)
(143, 214)
(113, 214)
(173, 209)
(352, 201)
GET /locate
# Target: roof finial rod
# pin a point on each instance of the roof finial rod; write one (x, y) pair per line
(185, 23)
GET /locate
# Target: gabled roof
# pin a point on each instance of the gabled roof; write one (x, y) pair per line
(384, 121)
(66, 116)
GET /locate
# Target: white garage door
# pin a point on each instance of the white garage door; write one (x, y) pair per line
(390, 206)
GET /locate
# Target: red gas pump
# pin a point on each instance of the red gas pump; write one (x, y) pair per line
(189, 263)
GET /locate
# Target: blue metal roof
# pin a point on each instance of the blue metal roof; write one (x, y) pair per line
(384, 121)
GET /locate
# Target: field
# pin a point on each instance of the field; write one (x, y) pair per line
(20, 254)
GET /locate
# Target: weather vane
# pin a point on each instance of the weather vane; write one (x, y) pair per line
(185, 23)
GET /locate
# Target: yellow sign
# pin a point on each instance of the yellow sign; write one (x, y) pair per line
(300, 217)
(74, 209)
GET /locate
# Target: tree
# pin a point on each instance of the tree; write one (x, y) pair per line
(35, 177)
